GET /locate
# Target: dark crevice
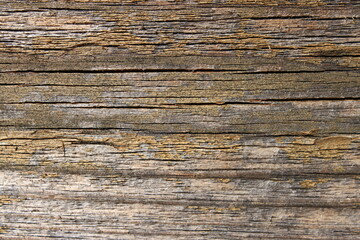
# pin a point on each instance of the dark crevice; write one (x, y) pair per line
(102, 71)
(303, 17)
(35, 29)
(89, 107)
(329, 55)
(220, 18)
(170, 106)
(118, 107)
(144, 131)
(92, 105)
(218, 103)
(69, 9)
(310, 99)
(185, 173)
(79, 85)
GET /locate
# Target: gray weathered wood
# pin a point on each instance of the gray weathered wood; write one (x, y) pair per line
(179, 119)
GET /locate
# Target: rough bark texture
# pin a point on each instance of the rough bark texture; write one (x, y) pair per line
(230, 119)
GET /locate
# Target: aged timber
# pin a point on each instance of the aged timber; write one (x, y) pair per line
(231, 119)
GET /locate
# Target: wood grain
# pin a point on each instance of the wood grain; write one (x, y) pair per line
(179, 119)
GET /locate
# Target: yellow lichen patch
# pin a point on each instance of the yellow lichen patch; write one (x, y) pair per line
(325, 148)
(7, 200)
(310, 2)
(113, 176)
(17, 147)
(52, 152)
(23, 148)
(50, 175)
(124, 35)
(170, 179)
(119, 180)
(333, 142)
(137, 40)
(116, 178)
(224, 180)
(3, 230)
(327, 49)
(176, 147)
(323, 180)
(311, 183)
(308, 184)
(81, 165)
(318, 54)
(339, 169)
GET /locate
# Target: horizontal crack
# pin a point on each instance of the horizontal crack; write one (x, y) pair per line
(309, 99)
(184, 174)
(144, 70)
(125, 199)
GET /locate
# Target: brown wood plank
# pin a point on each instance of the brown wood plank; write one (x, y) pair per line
(231, 119)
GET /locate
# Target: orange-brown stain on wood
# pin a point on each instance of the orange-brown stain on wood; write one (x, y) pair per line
(324, 148)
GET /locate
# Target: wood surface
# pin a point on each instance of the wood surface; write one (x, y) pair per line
(196, 119)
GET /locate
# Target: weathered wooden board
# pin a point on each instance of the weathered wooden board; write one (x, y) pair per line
(179, 119)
